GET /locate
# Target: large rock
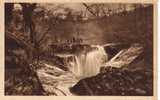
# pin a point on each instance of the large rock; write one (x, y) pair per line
(116, 81)
(125, 56)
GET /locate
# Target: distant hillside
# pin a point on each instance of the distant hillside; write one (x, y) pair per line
(132, 26)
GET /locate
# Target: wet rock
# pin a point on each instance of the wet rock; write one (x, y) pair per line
(115, 81)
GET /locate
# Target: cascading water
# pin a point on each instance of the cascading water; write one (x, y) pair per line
(86, 65)
(94, 60)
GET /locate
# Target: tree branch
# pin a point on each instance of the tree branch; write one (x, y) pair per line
(89, 9)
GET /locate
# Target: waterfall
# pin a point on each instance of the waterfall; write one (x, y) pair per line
(86, 65)
(94, 60)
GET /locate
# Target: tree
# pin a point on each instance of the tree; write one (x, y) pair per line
(8, 13)
(27, 11)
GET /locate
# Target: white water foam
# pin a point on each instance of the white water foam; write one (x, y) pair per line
(86, 65)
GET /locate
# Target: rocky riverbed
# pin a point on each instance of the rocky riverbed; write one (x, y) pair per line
(110, 80)
(56, 81)
(116, 81)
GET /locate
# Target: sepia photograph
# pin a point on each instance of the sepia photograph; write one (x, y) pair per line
(78, 49)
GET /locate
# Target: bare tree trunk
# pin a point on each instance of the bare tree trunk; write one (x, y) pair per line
(8, 13)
